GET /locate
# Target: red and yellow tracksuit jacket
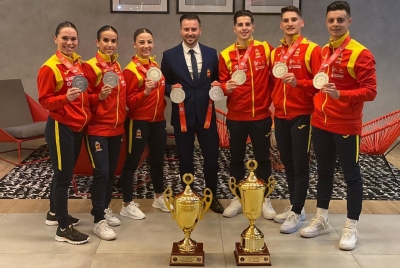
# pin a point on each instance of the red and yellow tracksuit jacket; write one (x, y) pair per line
(250, 101)
(53, 81)
(141, 107)
(353, 73)
(108, 115)
(304, 63)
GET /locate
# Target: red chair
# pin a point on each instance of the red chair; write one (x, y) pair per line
(21, 118)
(379, 134)
(84, 167)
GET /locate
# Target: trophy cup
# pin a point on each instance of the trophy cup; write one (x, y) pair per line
(188, 209)
(252, 250)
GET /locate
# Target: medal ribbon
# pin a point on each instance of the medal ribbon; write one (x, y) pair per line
(245, 56)
(113, 67)
(75, 68)
(141, 67)
(182, 115)
(326, 62)
(290, 51)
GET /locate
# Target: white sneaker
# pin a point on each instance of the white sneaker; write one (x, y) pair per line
(132, 211)
(291, 224)
(316, 227)
(160, 204)
(267, 210)
(104, 231)
(234, 208)
(349, 237)
(281, 218)
(110, 218)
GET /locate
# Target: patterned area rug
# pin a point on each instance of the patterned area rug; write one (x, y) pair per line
(32, 181)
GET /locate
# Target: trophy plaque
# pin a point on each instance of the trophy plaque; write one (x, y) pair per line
(252, 250)
(187, 208)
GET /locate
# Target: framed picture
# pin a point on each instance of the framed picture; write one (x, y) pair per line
(268, 6)
(205, 6)
(140, 6)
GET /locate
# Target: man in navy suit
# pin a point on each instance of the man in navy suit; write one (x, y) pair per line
(193, 67)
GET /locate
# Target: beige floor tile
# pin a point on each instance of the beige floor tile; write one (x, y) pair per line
(304, 260)
(28, 233)
(376, 261)
(46, 260)
(377, 234)
(153, 260)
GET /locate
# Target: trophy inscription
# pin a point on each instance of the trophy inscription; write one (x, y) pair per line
(188, 209)
(252, 250)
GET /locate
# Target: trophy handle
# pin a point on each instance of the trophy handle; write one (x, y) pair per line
(233, 187)
(207, 199)
(168, 200)
(270, 185)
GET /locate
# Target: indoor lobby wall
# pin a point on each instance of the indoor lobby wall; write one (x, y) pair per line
(27, 29)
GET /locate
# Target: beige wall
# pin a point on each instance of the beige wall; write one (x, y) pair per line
(27, 29)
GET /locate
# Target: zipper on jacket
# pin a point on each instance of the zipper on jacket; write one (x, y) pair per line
(323, 104)
(83, 109)
(252, 90)
(284, 98)
(158, 98)
(116, 123)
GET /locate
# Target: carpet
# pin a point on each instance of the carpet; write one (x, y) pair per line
(32, 181)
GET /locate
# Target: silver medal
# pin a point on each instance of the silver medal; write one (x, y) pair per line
(80, 82)
(111, 79)
(279, 70)
(216, 93)
(154, 74)
(177, 95)
(320, 79)
(239, 76)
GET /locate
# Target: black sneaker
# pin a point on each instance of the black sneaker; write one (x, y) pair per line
(51, 219)
(71, 235)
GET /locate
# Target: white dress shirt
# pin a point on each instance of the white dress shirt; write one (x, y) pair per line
(197, 54)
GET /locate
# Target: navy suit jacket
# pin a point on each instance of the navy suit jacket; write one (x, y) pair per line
(175, 70)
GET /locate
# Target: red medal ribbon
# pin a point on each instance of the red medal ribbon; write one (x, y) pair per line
(326, 62)
(141, 67)
(246, 55)
(208, 116)
(75, 68)
(290, 51)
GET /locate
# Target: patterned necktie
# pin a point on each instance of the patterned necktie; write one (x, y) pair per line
(194, 65)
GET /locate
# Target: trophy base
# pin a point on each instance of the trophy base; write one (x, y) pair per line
(187, 259)
(251, 258)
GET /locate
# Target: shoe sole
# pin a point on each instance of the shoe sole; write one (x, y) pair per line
(269, 217)
(55, 223)
(311, 235)
(291, 231)
(113, 224)
(347, 248)
(302, 218)
(105, 238)
(131, 217)
(160, 208)
(63, 239)
(231, 215)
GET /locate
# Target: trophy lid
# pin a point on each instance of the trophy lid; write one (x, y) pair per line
(251, 182)
(188, 194)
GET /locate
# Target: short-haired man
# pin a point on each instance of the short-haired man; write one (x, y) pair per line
(192, 67)
(347, 80)
(244, 69)
(295, 62)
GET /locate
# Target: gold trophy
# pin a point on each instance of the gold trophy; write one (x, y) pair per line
(252, 250)
(188, 209)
